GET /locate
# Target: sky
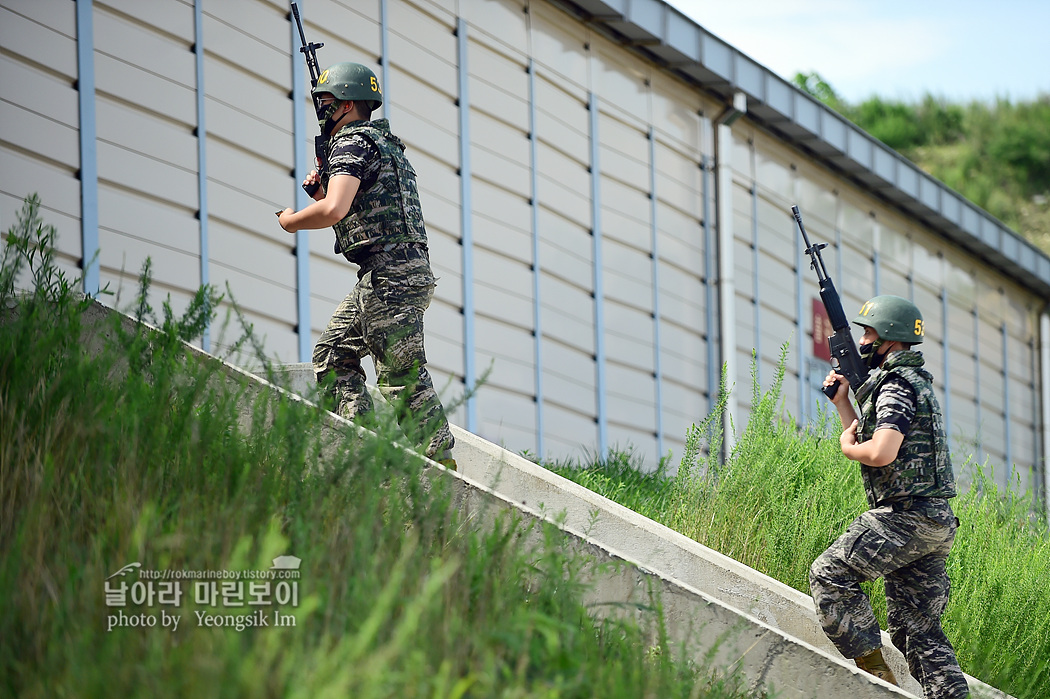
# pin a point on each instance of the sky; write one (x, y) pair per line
(897, 49)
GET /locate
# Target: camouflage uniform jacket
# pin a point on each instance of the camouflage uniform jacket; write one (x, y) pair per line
(922, 471)
(387, 212)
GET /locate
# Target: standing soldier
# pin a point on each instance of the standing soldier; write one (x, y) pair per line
(900, 442)
(368, 194)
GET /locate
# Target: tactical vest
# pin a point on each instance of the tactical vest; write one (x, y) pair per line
(388, 211)
(923, 467)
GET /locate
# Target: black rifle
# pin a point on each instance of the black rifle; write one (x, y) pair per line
(310, 50)
(845, 359)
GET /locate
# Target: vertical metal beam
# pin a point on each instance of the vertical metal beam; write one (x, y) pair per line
(726, 272)
(755, 282)
(710, 291)
(599, 293)
(89, 261)
(1006, 400)
(384, 57)
(534, 218)
(977, 380)
(947, 378)
(654, 253)
(839, 264)
(1044, 386)
(302, 238)
(466, 225)
(876, 256)
(202, 160)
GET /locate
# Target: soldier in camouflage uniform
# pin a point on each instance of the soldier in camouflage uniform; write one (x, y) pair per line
(900, 442)
(368, 194)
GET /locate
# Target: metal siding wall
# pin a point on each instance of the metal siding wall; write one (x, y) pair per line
(744, 274)
(682, 287)
(146, 116)
(856, 254)
(1022, 368)
(990, 354)
(251, 158)
(927, 284)
(565, 245)
(895, 271)
(533, 252)
(778, 302)
(39, 146)
(502, 275)
(627, 253)
(960, 283)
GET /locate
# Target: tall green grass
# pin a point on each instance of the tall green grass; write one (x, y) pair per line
(142, 451)
(784, 494)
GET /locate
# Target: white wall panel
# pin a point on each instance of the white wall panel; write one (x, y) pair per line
(38, 119)
(566, 249)
(499, 152)
(165, 227)
(569, 433)
(568, 380)
(629, 336)
(683, 355)
(498, 219)
(676, 112)
(559, 46)
(567, 313)
(773, 175)
(503, 288)
(501, 22)
(42, 32)
(508, 351)
(505, 418)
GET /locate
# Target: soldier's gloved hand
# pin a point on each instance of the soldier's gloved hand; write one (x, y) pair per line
(842, 394)
(312, 179)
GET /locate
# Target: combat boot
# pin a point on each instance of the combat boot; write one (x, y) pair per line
(445, 459)
(873, 663)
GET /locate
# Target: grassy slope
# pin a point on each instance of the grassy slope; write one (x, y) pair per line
(154, 464)
(784, 495)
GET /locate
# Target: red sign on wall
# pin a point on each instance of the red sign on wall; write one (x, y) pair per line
(821, 330)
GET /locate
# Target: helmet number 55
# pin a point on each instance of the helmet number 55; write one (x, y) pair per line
(918, 327)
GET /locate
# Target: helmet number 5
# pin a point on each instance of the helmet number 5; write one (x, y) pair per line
(375, 85)
(918, 327)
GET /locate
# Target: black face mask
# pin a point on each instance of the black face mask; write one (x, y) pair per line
(325, 116)
(869, 353)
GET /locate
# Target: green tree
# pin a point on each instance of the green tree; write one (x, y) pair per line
(996, 154)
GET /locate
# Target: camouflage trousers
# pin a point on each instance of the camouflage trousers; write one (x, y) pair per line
(383, 317)
(909, 551)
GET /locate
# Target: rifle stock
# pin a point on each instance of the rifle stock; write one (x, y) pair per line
(845, 359)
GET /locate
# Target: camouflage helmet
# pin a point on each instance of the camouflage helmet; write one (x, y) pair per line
(350, 82)
(895, 319)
